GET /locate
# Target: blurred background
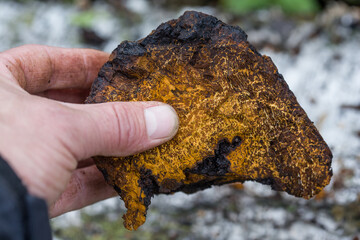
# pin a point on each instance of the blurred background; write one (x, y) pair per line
(315, 45)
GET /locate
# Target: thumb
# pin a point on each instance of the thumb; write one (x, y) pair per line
(122, 128)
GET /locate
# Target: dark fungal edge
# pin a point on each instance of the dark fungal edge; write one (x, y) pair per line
(149, 186)
(204, 28)
(217, 164)
(108, 179)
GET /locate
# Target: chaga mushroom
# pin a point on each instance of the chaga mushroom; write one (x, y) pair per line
(238, 119)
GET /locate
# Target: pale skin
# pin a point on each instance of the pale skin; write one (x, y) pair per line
(48, 136)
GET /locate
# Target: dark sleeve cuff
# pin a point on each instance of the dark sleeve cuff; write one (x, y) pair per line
(22, 216)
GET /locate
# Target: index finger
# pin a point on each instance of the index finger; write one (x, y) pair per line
(37, 68)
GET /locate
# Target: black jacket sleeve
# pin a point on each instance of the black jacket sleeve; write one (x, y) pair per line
(22, 216)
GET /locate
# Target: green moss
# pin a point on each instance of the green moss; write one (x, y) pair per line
(84, 19)
(245, 6)
(298, 7)
(302, 7)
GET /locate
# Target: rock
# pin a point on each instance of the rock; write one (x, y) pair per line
(238, 119)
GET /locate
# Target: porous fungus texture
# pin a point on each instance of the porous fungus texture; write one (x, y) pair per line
(238, 119)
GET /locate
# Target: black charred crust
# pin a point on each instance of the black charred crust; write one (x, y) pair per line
(193, 27)
(130, 48)
(117, 189)
(201, 185)
(148, 185)
(104, 173)
(217, 164)
(108, 179)
(194, 187)
(271, 182)
(168, 185)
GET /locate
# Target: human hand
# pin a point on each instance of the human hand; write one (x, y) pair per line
(48, 137)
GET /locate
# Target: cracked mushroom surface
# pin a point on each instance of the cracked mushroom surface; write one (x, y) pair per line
(239, 121)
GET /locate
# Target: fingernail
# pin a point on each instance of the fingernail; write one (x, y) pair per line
(161, 121)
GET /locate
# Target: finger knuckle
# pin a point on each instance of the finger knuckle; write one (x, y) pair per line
(129, 124)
